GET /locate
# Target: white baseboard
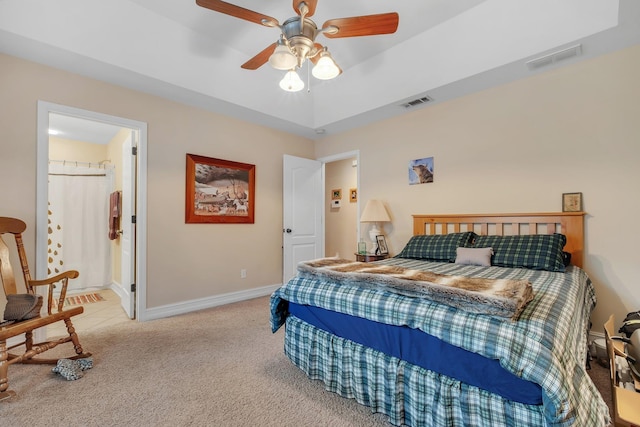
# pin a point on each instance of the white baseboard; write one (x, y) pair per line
(200, 304)
(117, 289)
(593, 335)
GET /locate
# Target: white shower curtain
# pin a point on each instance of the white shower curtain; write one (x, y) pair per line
(78, 222)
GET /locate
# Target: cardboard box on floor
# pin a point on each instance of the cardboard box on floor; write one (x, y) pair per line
(626, 403)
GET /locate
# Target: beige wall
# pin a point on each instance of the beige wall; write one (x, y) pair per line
(77, 151)
(184, 261)
(341, 224)
(517, 148)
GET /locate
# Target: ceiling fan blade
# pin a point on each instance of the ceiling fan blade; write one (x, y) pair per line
(237, 11)
(368, 25)
(260, 59)
(311, 4)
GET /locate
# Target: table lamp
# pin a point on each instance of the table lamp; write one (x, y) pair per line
(374, 212)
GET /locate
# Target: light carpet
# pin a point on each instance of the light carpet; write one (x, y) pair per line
(216, 367)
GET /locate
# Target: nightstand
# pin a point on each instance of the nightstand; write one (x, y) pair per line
(370, 257)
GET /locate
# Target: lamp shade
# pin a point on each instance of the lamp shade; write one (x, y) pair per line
(374, 211)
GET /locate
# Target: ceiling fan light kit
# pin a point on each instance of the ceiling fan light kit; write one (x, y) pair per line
(297, 39)
(325, 68)
(291, 82)
(282, 58)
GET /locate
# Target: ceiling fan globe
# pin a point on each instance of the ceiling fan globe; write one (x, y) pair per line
(282, 58)
(291, 82)
(325, 68)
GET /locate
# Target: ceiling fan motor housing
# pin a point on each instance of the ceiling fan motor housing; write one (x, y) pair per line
(301, 35)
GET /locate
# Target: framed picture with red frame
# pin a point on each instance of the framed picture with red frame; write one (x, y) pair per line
(219, 191)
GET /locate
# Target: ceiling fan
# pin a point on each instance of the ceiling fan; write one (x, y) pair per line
(297, 39)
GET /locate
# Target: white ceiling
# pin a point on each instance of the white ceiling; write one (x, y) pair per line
(68, 127)
(181, 51)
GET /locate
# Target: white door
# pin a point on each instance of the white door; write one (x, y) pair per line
(302, 213)
(127, 238)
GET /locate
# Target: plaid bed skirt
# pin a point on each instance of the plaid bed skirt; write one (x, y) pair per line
(407, 394)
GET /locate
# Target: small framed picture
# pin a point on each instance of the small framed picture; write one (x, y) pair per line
(353, 195)
(571, 202)
(336, 194)
(382, 245)
(421, 171)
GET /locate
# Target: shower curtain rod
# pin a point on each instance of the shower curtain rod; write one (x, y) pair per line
(100, 165)
(77, 174)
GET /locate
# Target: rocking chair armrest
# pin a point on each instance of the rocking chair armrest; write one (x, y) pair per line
(71, 274)
(51, 281)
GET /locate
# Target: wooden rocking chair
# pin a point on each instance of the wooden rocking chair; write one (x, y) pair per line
(16, 227)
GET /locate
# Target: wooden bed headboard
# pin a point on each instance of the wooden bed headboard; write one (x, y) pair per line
(571, 224)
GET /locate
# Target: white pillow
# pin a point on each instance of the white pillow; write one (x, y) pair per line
(474, 256)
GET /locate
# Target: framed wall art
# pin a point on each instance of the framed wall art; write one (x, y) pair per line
(421, 171)
(353, 195)
(336, 194)
(571, 202)
(219, 191)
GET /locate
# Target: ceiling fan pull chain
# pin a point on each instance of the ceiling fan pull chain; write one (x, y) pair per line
(308, 77)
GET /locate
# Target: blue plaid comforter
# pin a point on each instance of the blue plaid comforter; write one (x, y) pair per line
(546, 345)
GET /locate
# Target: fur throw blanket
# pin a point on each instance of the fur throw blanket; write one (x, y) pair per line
(498, 297)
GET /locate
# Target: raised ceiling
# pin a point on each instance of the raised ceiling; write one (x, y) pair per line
(442, 49)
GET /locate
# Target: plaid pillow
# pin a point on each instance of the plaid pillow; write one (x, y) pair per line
(440, 247)
(537, 252)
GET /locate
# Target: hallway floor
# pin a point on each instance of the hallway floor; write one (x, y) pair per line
(96, 315)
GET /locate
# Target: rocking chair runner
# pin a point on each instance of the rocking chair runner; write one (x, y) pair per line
(16, 227)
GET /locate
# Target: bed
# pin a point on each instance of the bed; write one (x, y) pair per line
(424, 355)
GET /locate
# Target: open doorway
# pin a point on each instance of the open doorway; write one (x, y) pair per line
(341, 208)
(81, 166)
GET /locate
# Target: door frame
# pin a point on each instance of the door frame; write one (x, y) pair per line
(42, 162)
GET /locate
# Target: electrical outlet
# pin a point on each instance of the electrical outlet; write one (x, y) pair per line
(243, 274)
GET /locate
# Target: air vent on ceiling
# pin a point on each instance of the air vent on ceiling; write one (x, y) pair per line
(555, 57)
(416, 102)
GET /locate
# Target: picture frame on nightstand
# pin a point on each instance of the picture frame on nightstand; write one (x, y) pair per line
(383, 249)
